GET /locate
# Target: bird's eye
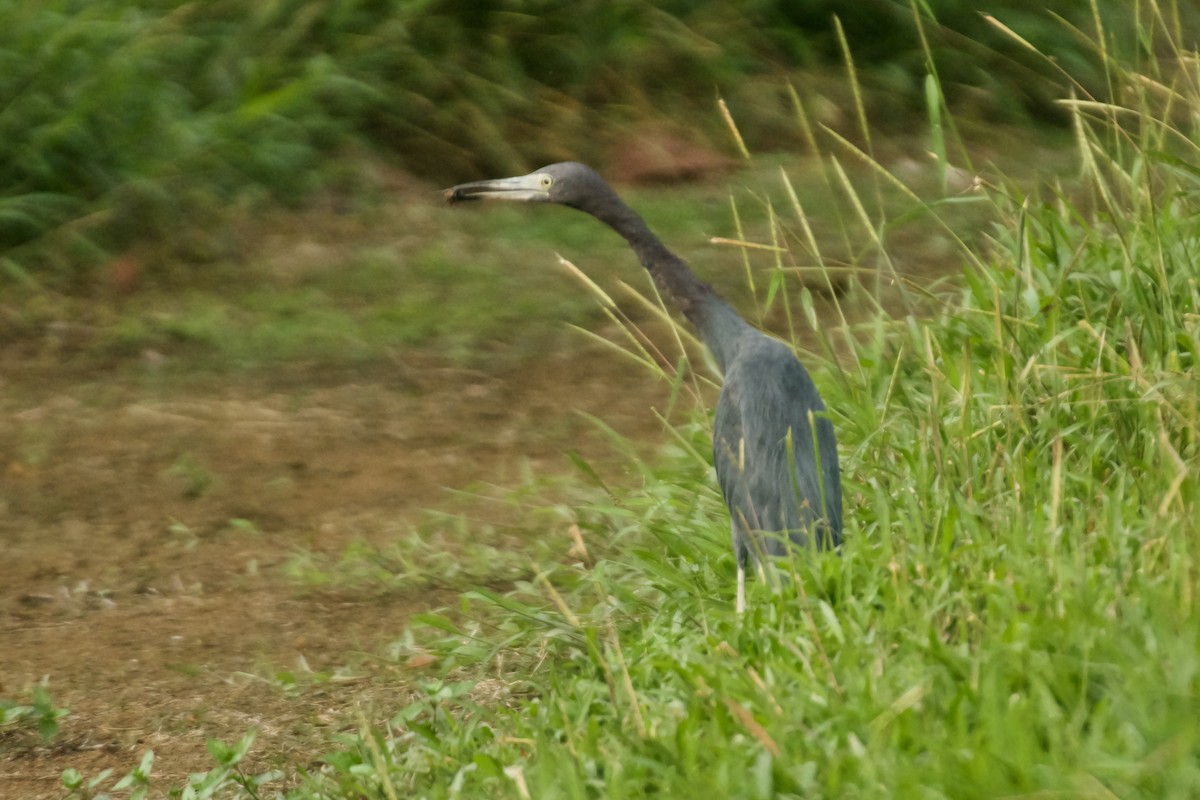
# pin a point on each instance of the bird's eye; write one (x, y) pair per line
(547, 181)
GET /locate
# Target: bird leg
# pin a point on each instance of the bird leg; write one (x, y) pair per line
(741, 590)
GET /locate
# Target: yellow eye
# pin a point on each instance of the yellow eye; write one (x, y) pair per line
(547, 181)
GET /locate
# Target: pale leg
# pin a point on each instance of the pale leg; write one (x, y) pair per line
(741, 590)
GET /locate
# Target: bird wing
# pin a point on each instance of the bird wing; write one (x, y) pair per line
(775, 477)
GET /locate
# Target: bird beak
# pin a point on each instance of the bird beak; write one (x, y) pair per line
(526, 187)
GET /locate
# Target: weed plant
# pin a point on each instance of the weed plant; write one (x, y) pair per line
(1013, 613)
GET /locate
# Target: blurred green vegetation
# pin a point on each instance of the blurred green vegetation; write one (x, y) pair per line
(126, 121)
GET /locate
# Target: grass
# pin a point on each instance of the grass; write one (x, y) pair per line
(1014, 611)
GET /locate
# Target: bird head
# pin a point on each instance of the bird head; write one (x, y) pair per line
(567, 183)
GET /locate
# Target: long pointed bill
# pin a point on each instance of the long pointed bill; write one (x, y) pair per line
(526, 187)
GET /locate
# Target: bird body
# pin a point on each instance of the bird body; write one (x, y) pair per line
(774, 447)
(775, 455)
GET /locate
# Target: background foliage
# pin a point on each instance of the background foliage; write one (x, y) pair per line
(122, 120)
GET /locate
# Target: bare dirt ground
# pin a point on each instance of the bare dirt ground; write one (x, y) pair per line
(143, 535)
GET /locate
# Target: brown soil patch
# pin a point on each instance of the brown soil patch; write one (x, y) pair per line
(144, 532)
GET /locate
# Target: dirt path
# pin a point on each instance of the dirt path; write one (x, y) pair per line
(144, 537)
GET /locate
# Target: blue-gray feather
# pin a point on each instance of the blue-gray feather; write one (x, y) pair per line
(775, 453)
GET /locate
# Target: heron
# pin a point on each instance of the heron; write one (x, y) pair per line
(774, 448)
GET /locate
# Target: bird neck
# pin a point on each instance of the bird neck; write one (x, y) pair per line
(718, 324)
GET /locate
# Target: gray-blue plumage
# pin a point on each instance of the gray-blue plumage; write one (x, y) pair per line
(777, 475)
(774, 447)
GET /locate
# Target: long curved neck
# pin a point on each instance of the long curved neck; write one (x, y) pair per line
(719, 325)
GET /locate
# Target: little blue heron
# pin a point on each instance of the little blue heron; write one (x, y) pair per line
(773, 444)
